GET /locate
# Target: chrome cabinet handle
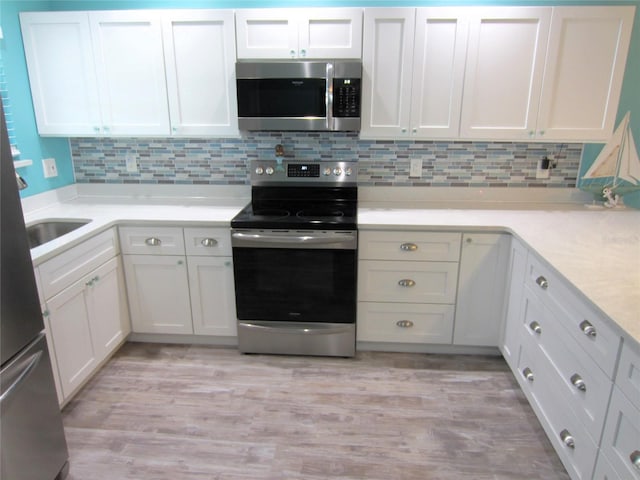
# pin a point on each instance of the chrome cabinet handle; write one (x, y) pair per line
(92, 281)
(408, 247)
(588, 329)
(209, 242)
(578, 382)
(404, 323)
(406, 282)
(567, 439)
(528, 374)
(635, 459)
(542, 282)
(535, 327)
(303, 53)
(153, 241)
(292, 53)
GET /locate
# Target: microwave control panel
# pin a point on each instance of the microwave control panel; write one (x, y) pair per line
(346, 97)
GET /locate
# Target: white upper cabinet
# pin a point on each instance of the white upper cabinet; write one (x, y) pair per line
(299, 33)
(59, 56)
(413, 62)
(505, 65)
(129, 62)
(387, 58)
(199, 52)
(588, 49)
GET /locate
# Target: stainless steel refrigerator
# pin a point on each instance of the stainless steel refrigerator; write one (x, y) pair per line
(32, 441)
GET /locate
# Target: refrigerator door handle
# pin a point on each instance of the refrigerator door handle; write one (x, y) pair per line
(24, 375)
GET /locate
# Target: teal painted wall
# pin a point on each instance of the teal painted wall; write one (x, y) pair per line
(32, 146)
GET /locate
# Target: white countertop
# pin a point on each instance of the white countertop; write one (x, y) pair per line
(597, 250)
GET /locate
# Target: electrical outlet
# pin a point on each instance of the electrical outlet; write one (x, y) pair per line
(132, 164)
(416, 168)
(544, 168)
(49, 167)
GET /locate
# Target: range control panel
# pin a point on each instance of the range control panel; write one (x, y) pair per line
(290, 172)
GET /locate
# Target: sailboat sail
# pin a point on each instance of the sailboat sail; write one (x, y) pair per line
(617, 161)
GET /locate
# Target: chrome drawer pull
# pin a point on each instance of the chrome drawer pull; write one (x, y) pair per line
(209, 242)
(404, 323)
(528, 374)
(567, 439)
(635, 459)
(153, 241)
(535, 327)
(409, 247)
(542, 282)
(578, 382)
(406, 282)
(588, 329)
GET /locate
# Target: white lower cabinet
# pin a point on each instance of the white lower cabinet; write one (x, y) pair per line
(158, 293)
(482, 283)
(86, 322)
(510, 332)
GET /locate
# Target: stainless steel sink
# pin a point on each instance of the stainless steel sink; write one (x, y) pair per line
(47, 230)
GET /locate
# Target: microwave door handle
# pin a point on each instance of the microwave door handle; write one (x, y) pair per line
(329, 97)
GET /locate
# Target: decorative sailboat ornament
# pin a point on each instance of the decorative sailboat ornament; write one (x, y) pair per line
(617, 164)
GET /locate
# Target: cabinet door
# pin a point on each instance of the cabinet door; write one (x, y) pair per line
(129, 61)
(57, 47)
(330, 33)
(438, 72)
(266, 33)
(621, 437)
(108, 319)
(387, 57)
(510, 340)
(199, 51)
(588, 49)
(481, 289)
(158, 292)
(505, 65)
(212, 295)
(68, 317)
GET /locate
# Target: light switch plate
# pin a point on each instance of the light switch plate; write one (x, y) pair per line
(416, 168)
(49, 167)
(130, 161)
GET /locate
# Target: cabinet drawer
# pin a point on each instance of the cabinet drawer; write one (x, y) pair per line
(585, 387)
(410, 246)
(405, 323)
(68, 267)
(152, 240)
(554, 413)
(621, 439)
(628, 376)
(583, 321)
(413, 282)
(211, 242)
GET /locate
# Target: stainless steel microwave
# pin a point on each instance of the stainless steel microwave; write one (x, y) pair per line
(299, 95)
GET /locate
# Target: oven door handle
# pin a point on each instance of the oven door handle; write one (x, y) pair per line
(346, 240)
(310, 329)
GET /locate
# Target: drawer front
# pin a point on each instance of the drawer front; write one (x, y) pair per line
(621, 439)
(405, 323)
(540, 385)
(210, 242)
(410, 246)
(577, 315)
(152, 240)
(413, 282)
(70, 266)
(628, 376)
(604, 470)
(585, 387)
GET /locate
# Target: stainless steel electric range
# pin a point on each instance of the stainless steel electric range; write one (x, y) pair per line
(295, 259)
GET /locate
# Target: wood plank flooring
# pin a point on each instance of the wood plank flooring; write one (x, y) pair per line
(195, 412)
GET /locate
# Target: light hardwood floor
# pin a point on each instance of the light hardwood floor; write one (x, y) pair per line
(186, 412)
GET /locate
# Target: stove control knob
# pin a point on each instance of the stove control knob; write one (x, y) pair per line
(269, 171)
(327, 171)
(337, 171)
(259, 171)
(348, 171)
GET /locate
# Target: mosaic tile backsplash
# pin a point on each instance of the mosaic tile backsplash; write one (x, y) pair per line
(380, 162)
